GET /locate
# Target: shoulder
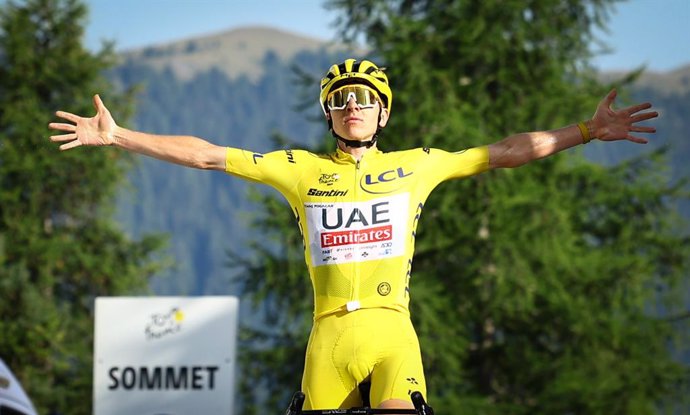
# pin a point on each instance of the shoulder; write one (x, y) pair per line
(466, 152)
(292, 156)
(451, 163)
(421, 155)
(420, 152)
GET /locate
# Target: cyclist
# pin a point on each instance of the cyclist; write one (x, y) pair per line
(357, 209)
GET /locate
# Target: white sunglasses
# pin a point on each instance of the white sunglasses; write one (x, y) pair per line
(364, 97)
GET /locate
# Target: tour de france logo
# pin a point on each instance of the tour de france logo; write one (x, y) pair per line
(328, 179)
(164, 324)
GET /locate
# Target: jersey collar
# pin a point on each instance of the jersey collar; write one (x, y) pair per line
(343, 157)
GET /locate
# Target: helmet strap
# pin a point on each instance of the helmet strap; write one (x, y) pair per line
(355, 143)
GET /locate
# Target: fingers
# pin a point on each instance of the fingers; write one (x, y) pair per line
(643, 129)
(63, 137)
(62, 126)
(640, 128)
(68, 116)
(71, 144)
(98, 103)
(610, 97)
(635, 139)
(71, 138)
(644, 116)
(636, 108)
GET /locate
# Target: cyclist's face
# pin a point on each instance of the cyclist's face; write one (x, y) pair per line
(356, 123)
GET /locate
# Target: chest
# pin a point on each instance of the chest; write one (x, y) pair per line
(358, 183)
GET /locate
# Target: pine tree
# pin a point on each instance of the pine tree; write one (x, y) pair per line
(59, 247)
(534, 290)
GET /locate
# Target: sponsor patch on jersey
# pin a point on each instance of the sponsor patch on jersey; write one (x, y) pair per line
(329, 178)
(384, 289)
(342, 232)
(385, 182)
(326, 193)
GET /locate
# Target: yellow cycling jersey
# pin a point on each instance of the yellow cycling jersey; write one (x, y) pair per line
(357, 218)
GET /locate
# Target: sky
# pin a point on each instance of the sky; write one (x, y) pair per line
(655, 33)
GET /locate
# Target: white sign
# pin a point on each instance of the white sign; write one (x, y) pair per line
(165, 355)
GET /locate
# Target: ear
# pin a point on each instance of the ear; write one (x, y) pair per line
(328, 116)
(383, 117)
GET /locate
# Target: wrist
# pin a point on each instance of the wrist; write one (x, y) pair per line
(116, 136)
(586, 131)
(590, 127)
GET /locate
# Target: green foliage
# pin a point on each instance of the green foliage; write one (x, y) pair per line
(59, 248)
(234, 112)
(540, 290)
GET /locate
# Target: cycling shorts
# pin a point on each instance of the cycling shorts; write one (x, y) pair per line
(346, 348)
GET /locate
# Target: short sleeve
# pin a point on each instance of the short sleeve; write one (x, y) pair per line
(454, 165)
(276, 168)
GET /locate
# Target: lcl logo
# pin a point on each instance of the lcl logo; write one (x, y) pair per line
(382, 183)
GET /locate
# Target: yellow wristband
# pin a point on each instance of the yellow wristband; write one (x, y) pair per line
(586, 136)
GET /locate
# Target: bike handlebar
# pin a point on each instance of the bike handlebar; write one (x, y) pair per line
(421, 408)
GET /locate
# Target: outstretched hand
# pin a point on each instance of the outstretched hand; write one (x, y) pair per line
(610, 125)
(95, 131)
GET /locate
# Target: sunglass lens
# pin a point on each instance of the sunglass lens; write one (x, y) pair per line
(364, 97)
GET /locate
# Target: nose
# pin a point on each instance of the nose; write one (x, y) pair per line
(352, 104)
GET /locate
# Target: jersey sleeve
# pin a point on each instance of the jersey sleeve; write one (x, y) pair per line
(447, 165)
(276, 169)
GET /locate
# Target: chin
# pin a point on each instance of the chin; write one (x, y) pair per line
(356, 136)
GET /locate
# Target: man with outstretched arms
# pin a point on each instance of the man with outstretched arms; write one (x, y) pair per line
(357, 209)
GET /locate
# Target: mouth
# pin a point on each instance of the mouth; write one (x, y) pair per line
(350, 120)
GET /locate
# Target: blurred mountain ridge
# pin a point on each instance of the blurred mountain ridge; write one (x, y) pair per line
(235, 52)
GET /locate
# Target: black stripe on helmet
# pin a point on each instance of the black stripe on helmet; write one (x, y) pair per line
(371, 69)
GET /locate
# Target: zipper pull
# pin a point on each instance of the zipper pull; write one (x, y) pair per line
(353, 305)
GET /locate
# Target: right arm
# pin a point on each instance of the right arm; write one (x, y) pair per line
(101, 130)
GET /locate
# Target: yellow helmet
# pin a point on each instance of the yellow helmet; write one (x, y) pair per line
(356, 72)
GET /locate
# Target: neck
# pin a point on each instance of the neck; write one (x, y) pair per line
(356, 152)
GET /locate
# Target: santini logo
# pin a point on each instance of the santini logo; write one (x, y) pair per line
(326, 193)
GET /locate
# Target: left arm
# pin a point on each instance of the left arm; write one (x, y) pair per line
(607, 124)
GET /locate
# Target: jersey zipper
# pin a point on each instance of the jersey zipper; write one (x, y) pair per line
(354, 303)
